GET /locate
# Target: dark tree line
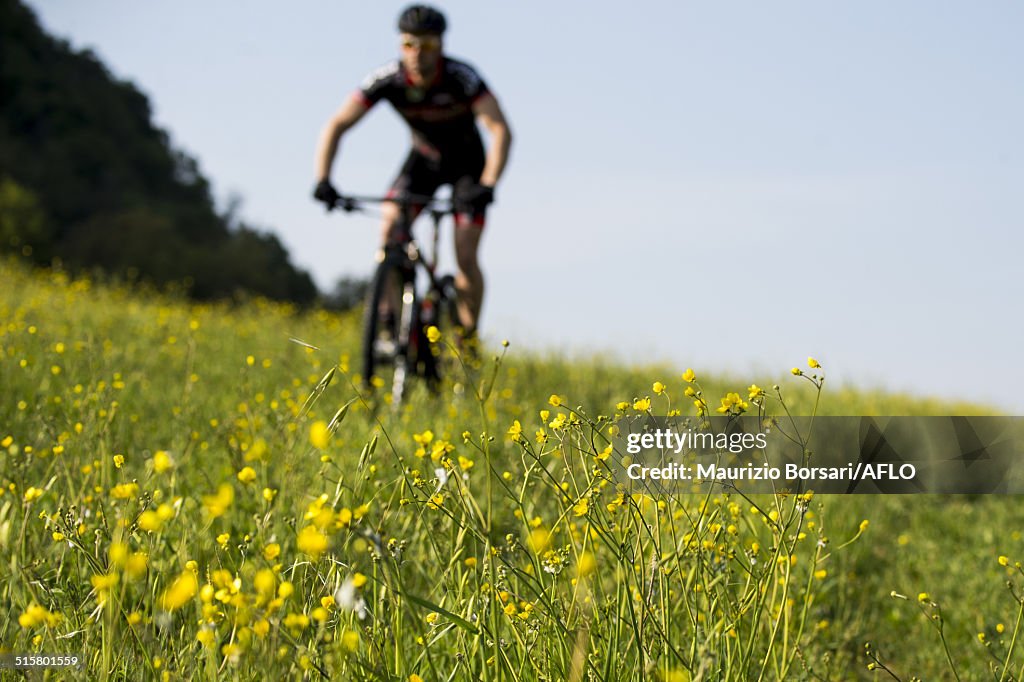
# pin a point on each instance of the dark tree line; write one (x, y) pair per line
(86, 177)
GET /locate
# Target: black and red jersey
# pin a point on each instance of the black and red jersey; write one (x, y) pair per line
(440, 114)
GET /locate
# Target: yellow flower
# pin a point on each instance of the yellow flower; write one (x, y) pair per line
(272, 551)
(733, 404)
(924, 597)
(223, 538)
(261, 627)
(247, 475)
(149, 520)
(358, 580)
(312, 542)
(515, 430)
(124, 491)
(319, 434)
(796, 371)
(423, 440)
(297, 621)
(642, 404)
(257, 451)
(33, 493)
(581, 508)
(754, 392)
(350, 640)
(1004, 560)
(554, 400)
(439, 449)
(470, 562)
(37, 615)
(658, 387)
(118, 553)
(207, 637)
(586, 565)
(162, 461)
(180, 592)
(689, 377)
(433, 334)
(135, 567)
(539, 540)
(217, 505)
(812, 363)
(118, 461)
(320, 514)
(863, 525)
(265, 583)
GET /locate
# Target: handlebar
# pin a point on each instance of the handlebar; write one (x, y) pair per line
(420, 201)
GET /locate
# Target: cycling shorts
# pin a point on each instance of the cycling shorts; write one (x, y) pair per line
(423, 173)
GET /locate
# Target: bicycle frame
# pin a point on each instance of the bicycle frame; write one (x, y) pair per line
(406, 254)
(429, 260)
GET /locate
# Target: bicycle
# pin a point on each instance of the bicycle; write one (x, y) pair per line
(397, 315)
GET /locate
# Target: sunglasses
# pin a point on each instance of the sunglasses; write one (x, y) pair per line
(425, 43)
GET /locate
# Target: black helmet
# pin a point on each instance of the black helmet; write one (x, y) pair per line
(421, 19)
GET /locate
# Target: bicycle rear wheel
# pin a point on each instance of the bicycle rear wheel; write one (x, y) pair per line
(388, 323)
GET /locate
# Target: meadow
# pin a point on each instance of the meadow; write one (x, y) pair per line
(203, 491)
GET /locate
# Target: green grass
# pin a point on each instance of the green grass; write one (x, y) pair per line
(526, 565)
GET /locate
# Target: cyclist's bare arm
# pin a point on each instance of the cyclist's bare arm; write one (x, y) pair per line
(347, 116)
(490, 116)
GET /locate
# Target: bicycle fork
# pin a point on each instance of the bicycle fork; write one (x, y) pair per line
(404, 338)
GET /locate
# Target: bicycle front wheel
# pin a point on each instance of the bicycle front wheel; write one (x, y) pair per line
(387, 327)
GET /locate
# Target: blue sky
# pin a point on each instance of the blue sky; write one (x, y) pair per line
(727, 186)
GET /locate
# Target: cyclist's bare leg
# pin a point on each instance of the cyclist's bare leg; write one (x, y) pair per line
(390, 214)
(469, 281)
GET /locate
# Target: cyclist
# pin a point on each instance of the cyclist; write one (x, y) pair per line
(441, 99)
